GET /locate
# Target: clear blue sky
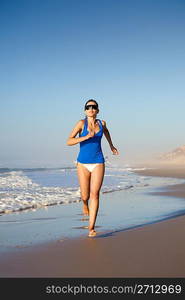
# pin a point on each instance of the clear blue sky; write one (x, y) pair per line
(129, 55)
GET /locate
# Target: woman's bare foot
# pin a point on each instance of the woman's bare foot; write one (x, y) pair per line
(92, 233)
(85, 210)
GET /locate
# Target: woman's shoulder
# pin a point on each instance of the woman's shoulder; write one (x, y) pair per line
(103, 122)
(81, 122)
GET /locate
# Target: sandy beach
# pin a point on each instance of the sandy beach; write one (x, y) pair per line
(177, 190)
(154, 250)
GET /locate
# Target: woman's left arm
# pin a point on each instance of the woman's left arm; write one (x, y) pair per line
(108, 137)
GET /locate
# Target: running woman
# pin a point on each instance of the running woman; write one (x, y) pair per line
(90, 160)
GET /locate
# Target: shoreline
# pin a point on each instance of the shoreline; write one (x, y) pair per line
(163, 171)
(176, 190)
(152, 250)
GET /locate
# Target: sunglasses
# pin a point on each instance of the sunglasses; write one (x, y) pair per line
(93, 106)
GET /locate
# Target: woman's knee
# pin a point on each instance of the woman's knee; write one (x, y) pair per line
(94, 194)
(84, 197)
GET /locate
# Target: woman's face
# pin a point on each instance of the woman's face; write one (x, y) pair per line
(91, 112)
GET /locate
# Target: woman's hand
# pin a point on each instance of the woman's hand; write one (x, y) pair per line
(90, 134)
(114, 150)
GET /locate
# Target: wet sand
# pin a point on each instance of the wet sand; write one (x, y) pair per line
(177, 190)
(155, 250)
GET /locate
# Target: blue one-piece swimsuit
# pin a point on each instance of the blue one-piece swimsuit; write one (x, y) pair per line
(90, 150)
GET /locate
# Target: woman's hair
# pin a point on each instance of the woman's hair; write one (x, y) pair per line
(91, 100)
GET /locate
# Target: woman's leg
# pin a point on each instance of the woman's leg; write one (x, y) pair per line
(84, 180)
(97, 176)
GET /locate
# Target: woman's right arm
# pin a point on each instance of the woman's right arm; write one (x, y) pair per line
(72, 140)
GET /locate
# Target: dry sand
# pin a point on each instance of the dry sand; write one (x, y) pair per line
(155, 250)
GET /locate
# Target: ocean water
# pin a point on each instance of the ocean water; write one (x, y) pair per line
(43, 204)
(22, 189)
